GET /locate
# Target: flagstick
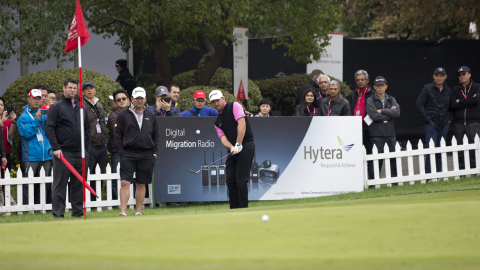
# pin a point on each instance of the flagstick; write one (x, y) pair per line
(82, 128)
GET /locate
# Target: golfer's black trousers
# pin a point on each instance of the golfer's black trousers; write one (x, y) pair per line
(238, 174)
(61, 174)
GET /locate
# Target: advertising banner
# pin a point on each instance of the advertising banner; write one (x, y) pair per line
(331, 61)
(240, 63)
(295, 157)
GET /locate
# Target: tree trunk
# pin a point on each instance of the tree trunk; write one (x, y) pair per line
(210, 61)
(158, 49)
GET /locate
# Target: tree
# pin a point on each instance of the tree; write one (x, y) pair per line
(34, 30)
(167, 28)
(418, 19)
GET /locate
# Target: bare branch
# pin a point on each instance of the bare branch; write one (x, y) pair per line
(118, 20)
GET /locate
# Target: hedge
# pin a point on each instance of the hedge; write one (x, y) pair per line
(53, 79)
(222, 79)
(283, 91)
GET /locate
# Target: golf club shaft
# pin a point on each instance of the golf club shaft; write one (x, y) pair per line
(212, 163)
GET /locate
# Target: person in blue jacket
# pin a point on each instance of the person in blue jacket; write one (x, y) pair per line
(163, 104)
(35, 145)
(199, 108)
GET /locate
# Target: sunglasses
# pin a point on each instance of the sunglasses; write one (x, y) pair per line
(120, 99)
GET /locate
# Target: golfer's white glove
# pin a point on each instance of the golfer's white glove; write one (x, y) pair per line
(239, 147)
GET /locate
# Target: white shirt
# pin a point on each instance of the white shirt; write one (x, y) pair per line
(138, 116)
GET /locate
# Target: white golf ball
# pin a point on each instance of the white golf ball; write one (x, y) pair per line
(198, 131)
(265, 218)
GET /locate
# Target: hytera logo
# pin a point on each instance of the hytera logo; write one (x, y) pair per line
(322, 153)
(174, 189)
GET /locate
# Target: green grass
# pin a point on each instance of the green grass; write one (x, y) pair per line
(472, 183)
(433, 226)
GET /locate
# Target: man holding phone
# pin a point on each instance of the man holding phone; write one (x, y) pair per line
(35, 144)
(163, 103)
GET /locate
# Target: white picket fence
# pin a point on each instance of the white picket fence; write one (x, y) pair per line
(410, 177)
(42, 180)
(421, 152)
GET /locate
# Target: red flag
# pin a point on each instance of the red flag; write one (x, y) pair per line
(241, 91)
(77, 29)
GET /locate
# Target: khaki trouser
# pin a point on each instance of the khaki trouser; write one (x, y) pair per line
(2, 198)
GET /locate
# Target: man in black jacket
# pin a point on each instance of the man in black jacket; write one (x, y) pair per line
(433, 104)
(98, 132)
(383, 109)
(335, 104)
(313, 83)
(125, 79)
(63, 132)
(121, 101)
(358, 107)
(136, 140)
(236, 135)
(465, 104)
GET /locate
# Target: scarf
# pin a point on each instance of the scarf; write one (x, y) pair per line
(360, 106)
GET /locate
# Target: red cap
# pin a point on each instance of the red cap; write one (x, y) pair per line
(45, 107)
(35, 93)
(199, 94)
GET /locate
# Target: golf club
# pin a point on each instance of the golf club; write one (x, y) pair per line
(195, 172)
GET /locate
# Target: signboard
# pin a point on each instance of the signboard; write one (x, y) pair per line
(240, 63)
(331, 61)
(303, 158)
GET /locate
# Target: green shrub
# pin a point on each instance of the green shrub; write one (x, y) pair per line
(283, 91)
(186, 95)
(53, 79)
(222, 80)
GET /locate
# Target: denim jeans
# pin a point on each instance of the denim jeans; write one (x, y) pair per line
(380, 143)
(435, 133)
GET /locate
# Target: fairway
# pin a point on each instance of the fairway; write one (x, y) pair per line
(418, 231)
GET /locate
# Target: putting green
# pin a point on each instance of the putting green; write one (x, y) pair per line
(421, 231)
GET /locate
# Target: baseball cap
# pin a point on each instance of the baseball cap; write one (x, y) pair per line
(380, 80)
(85, 84)
(110, 97)
(35, 93)
(161, 91)
(463, 68)
(215, 94)
(440, 70)
(139, 92)
(199, 94)
(121, 63)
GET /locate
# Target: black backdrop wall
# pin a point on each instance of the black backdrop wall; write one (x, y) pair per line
(407, 66)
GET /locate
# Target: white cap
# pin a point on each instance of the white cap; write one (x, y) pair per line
(110, 97)
(139, 92)
(35, 93)
(215, 94)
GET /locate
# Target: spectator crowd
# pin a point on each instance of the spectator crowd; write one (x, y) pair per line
(49, 126)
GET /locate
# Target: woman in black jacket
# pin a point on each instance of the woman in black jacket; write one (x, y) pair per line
(308, 106)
